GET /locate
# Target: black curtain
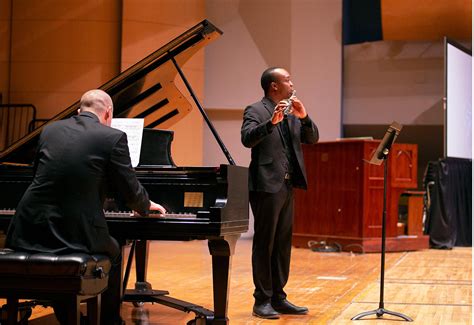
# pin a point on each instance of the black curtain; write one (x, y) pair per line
(449, 212)
(361, 21)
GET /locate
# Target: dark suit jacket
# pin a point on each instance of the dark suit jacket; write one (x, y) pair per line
(62, 210)
(266, 171)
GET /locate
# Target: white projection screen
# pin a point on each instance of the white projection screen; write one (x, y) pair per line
(458, 100)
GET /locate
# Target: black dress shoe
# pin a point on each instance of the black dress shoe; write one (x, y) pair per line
(286, 307)
(265, 310)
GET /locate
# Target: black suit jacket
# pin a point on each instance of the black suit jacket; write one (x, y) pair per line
(62, 210)
(266, 171)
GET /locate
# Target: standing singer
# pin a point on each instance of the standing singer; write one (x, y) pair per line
(274, 129)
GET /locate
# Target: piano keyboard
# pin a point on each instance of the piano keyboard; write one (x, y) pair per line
(127, 214)
(151, 215)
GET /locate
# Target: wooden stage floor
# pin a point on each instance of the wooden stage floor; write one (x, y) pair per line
(430, 286)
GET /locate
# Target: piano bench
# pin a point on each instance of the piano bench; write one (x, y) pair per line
(70, 278)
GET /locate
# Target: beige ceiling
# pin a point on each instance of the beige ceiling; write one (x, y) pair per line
(426, 19)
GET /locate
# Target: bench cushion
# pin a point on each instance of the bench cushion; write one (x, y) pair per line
(23, 272)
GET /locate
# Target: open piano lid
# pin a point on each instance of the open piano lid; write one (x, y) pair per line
(145, 90)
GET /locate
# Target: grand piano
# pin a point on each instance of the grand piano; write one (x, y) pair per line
(206, 203)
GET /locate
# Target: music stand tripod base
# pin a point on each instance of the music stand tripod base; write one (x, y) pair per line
(379, 313)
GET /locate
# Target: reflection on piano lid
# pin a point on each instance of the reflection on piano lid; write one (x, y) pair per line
(145, 90)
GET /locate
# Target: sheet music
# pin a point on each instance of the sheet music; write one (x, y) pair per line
(133, 127)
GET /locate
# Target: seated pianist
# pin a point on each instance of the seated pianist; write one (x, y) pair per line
(62, 210)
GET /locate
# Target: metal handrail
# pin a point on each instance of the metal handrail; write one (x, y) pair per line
(16, 121)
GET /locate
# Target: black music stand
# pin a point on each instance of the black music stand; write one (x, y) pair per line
(380, 155)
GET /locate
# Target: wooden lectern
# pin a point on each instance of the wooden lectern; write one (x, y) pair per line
(343, 203)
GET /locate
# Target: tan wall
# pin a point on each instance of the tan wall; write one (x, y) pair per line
(4, 48)
(303, 36)
(408, 20)
(147, 25)
(394, 81)
(5, 13)
(60, 49)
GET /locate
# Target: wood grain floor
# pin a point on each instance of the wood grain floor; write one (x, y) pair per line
(430, 286)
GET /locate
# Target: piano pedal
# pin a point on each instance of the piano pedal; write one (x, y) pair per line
(138, 304)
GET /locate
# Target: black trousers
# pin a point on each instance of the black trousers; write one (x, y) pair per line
(271, 249)
(111, 297)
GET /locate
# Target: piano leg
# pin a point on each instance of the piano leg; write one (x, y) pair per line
(221, 249)
(141, 263)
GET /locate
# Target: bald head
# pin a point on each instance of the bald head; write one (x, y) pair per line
(98, 102)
